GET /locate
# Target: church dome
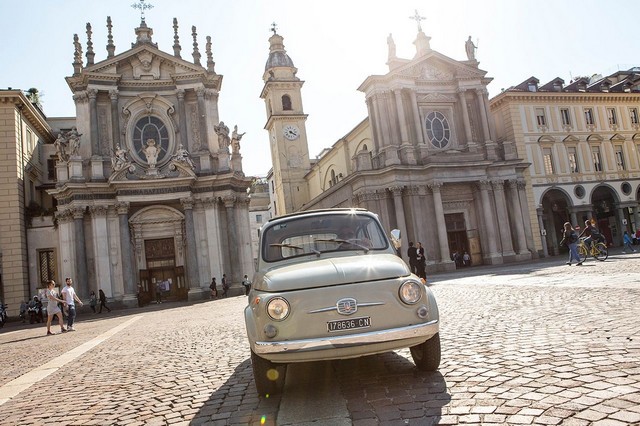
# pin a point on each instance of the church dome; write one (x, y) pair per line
(277, 55)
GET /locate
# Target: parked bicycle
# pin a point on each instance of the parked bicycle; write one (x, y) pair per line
(597, 249)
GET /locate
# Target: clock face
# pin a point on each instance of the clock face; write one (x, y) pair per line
(291, 132)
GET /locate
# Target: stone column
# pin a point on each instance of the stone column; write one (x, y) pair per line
(115, 118)
(182, 116)
(375, 127)
(400, 219)
(519, 220)
(524, 207)
(465, 116)
(492, 130)
(202, 112)
(540, 214)
(503, 218)
(416, 117)
(232, 243)
(483, 115)
(80, 280)
(443, 240)
(65, 241)
(401, 118)
(93, 121)
(127, 259)
(193, 282)
(103, 278)
(213, 238)
(636, 215)
(493, 257)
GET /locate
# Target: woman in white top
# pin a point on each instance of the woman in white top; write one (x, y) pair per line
(53, 308)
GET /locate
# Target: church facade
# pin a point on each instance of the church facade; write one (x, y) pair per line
(425, 158)
(143, 190)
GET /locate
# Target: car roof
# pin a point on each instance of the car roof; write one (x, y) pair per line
(319, 211)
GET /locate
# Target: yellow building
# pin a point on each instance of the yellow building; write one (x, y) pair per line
(582, 141)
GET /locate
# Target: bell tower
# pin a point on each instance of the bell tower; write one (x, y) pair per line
(286, 126)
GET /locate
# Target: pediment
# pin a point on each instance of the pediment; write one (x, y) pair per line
(594, 138)
(571, 138)
(617, 137)
(438, 67)
(546, 138)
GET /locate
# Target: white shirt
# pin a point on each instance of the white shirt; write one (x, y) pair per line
(68, 294)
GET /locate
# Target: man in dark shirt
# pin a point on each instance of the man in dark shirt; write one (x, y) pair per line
(412, 252)
(593, 234)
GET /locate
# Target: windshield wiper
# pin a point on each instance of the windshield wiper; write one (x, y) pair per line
(339, 241)
(291, 246)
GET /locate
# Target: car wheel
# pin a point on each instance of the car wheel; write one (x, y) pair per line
(269, 377)
(427, 355)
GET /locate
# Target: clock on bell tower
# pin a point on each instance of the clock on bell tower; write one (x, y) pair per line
(286, 126)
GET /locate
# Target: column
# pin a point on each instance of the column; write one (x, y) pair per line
(574, 217)
(543, 237)
(519, 220)
(636, 215)
(416, 117)
(93, 121)
(484, 118)
(82, 286)
(65, 241)
(400, 220)
(115, 118)
(443, 240)
(493, 254)
(524, 207)
(213, 238)
(375, 128)
(101, 249)
(182, 117)
(401, 118)
(492, 129)
(202, 112)
(465, 115)
(232, 243)
(192, 254)
(126, 253)
(503, 218)
(245, 255)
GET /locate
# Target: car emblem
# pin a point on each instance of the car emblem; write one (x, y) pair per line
(347, 306)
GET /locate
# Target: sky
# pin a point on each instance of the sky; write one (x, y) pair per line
(335, 44)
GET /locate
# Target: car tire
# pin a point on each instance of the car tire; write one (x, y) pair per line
(426, 355)
(269, 377)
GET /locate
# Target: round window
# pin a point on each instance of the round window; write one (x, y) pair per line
(579, 191)
(151, 128)
(626, 188)
(438, 130)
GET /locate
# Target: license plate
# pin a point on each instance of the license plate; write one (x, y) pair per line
(349, 324)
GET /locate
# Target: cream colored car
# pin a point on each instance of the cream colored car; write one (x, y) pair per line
(329, 286)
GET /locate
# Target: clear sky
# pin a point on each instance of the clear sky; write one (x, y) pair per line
(335, 44)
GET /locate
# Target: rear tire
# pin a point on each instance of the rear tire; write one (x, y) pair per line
(583, 252)
(601, 252)
(269, 377)
(426, 355)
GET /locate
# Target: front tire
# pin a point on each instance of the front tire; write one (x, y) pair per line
(426, 355)
(269, 377)
(583, 252)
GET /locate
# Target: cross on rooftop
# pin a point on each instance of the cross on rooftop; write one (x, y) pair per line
(274, 27)
(416, 18)
(142, 6)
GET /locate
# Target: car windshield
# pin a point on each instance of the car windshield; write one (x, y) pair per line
(316, 234)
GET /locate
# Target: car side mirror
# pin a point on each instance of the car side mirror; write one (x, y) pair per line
(395, 238)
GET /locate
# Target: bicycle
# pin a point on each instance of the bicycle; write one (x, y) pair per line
(598, 250)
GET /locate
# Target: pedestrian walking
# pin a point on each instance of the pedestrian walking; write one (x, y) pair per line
(159, 288)
(225, 285)
(412, 254)
(466, 259)
(214, 288)
(247, 285)
(422, 261)
(53, 308)
(93, 301)
(570, 239)
(103, 301)
(626, 239)
(70, 298)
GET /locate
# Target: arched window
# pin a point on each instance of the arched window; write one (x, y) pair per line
(151, 128)
(333, 178)
(364, 147)
(286, 103)
(438, 129)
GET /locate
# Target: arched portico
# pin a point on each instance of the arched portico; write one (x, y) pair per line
(556, 210)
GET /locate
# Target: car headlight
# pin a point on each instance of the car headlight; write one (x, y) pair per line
(410, 292)
(278, 308)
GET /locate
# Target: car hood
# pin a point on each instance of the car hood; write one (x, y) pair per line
(333, 271)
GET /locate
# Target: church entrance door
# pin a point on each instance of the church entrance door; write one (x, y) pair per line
(456, 235)
(165, 280)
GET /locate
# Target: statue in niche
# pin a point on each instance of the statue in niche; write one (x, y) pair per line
(471, 49)
(183, 156)
(223, 136)
(235, 140)
(119, 159)
(151, 152)
(61, 148)
(73, 140)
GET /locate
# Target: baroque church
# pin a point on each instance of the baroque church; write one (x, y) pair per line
(425, 158)
(143, 190)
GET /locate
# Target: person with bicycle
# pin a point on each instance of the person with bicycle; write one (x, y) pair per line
(570, 239)
(593, 234)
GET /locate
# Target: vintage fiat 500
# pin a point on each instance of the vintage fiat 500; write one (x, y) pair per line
(330, 285)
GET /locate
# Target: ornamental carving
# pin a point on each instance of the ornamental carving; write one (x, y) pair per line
(78, 212)
(396, 190)
(497, 185)
(229, 200)
(122, 208)
(187, 203)
(484, 185)
(98, 211)
(435, 186)
(436, 97)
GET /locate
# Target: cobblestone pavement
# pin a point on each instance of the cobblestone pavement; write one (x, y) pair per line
(533, 343)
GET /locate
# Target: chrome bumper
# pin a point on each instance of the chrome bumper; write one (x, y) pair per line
(426, 330)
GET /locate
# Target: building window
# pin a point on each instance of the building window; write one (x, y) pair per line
(540, 118)
(633, 113)
(51, 169)
(47, 265)
(595, 156)
(438, 130)
(573, 161)
(258, 218)
(547, 157)
(147, 128)
(286, 103)
(532, 87)
(611, 116)
(619, 158)
(566, 118)
(588, 116)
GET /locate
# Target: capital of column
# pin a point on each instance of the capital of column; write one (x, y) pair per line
(210, 94)
(180, 94)
(497, 184)
(64, 216)
(122, 207)
(396, 190)
(210, 202)
(187, 203)
(412, 190)
(80, 97)
(200, 91)
(98, 211)
(484, 185)
(113, 94)
(243, 199)
(513, 184)
(435, 186)
(229, 200)
(522, 184)
(93, 94)
(78, 212)
(481, 92)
